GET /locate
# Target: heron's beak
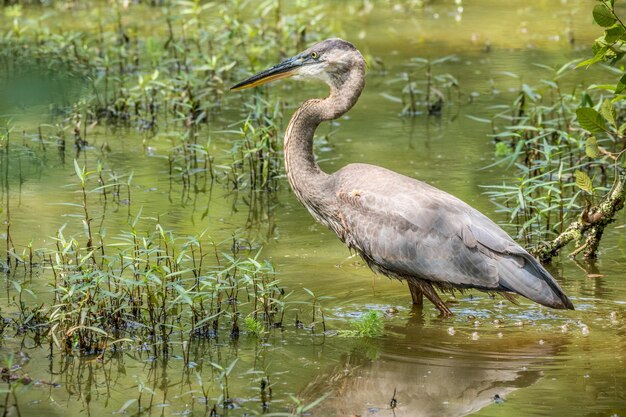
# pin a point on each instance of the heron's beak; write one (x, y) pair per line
(285, 69)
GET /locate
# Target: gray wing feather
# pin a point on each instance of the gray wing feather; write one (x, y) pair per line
(421, 237)
(406, 228)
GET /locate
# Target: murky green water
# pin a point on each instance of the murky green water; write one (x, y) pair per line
(542, 362)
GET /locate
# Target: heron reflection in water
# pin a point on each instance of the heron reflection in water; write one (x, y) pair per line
(431, 373)
(401, 227)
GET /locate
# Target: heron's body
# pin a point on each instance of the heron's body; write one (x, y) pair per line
(401, 227)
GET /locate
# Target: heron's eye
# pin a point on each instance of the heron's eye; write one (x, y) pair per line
(315, 55)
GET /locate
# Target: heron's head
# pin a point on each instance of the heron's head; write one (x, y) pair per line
(330, 61)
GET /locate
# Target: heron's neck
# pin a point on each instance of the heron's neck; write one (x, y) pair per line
(305, 176)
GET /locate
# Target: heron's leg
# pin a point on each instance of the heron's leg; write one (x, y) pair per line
(416, 293)
(433, 297)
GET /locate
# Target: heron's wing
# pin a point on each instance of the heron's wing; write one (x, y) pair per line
(410, 229)
(423, 234)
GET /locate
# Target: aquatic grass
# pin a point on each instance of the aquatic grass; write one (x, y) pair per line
(430, 92)
(153, 287)
(224, 374)
(369, 325)
(177, 80)
(560, 168)
(12, 374)
(173, 80)
(148, 285)
(256, 159)
(142, 79)
(190, 163)
(316, 308)
(566, 149)
(254, 326)
(300, 408)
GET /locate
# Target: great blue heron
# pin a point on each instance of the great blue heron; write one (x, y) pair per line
(401, 227)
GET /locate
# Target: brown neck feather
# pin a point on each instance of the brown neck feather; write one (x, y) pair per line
(305, 176)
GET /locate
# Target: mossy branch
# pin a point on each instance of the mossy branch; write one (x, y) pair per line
(590, 226)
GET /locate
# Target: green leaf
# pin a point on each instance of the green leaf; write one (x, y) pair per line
(314, 404)
(530, 93)
(503, 149)
(230, 367)
(603, 16)
(585, 100)
(615, 57)
(599, 56)
(182, 294)
(591, 147)
(79, 171)
(565, 67)
(127, 404)
(583, 181)
(621, 85)
(606, 87)
(608, 111)
(590, 120)
(614, 33)
(478, 119)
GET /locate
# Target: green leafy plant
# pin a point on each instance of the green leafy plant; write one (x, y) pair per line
(253, 326)
(369, 325)
(430, 92)
(567, 148)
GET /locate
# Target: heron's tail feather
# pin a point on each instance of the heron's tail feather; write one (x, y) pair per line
(531, 280)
